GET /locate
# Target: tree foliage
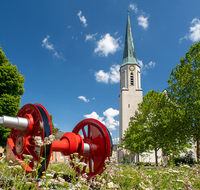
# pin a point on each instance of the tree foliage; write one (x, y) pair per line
(156, 124)
(54, 129)
(11, 88)
(184, 89)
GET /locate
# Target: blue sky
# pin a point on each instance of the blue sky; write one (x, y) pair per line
(70, 52)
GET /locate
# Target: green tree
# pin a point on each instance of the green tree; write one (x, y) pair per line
(54, 129)
(156, 124)
(184, 89)
(11, 88)
(136, 137)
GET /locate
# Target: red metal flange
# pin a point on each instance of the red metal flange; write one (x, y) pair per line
(69, 144)
(96, 135)
(22, 143)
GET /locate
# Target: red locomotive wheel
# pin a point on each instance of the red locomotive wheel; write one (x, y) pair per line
(97, 136)
(22, 142)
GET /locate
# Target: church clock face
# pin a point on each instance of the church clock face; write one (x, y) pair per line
(131, 68)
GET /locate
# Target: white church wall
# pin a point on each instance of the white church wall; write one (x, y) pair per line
(149, 157)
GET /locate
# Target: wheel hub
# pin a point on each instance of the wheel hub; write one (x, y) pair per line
(20, 144)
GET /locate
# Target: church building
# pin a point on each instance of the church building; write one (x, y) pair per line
(131, 93)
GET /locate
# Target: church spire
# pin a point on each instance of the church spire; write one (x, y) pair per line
(129, 51)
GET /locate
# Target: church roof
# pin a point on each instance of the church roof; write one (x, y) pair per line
(129, 50)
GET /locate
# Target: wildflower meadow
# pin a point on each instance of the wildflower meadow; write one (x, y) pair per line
(115, 176)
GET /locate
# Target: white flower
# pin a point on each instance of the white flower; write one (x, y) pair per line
(82, 163)
(166, 172)
(26, 160)
(28, 182)
(186, 166)
(27, 156)
(61, 179)
(175, 171)
(38, 140)
(49, 175)
(51, 138)
(17, 167)
(10, 161)
(179, 180)
(111, 185)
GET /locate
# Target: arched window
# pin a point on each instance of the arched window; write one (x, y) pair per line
(132, 79)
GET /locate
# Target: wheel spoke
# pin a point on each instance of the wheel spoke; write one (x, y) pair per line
(86, 160)
(89, 132)
(82, 159)
(84, 133)
(32, 153)
(31, 142)
(90, 165)
(84, 168)
(38, 133)
(36, 127)
(96, 164)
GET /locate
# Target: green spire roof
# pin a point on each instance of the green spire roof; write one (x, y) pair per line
(129, 51)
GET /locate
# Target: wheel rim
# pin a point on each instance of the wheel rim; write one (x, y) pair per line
(97, 136)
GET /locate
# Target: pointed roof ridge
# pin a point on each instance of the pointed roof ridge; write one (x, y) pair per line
(129, 50)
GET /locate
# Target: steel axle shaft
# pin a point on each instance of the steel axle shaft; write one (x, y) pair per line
(18, 123)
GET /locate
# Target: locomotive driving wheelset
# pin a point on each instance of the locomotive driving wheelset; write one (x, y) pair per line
(21, 142)
(90, 139)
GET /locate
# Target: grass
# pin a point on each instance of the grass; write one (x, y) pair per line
(115, 176)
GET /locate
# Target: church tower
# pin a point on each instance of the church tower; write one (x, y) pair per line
(131, 93)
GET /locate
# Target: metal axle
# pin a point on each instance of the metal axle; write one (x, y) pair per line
(18, 123)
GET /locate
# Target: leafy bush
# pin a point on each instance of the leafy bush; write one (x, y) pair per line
(186, 159)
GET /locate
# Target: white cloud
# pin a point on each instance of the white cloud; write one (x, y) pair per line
(143, 21)
(115, 141)
(150, 65)
(194, 32)
(107, 44)
(140, 63)
(112, 76)
(82, 18)
(90, 37)
(109, 121)
(46, 44)
(83, 98)
(144, 68)
(94, 115)
(134, 7)
(101, 76)
(116, 33)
